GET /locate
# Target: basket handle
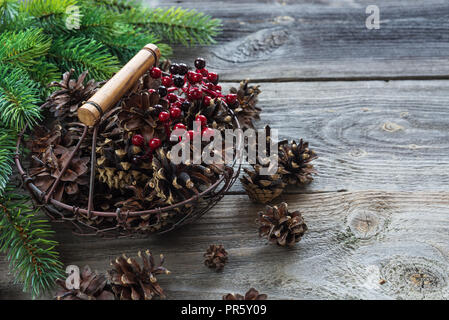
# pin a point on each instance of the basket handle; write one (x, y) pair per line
(91, 111)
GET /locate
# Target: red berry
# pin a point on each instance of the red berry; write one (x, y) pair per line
(194, 77)
(155, 73)
(150, 91)
(207, 100)
(231, 99)
(175, 112)
(138, 140)
(201, 118)
(166, 81)
(212, 77)
(179, 126)
(217, 88)
(195, 94)
(203, 72)
(164, 116)
(208, 133)
(154, 143)
(172, 97)
(191, 134)
(177, 104)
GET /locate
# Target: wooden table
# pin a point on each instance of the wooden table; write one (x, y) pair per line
(374, 105)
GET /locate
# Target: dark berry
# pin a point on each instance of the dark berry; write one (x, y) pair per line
(174, 68)
(154, 143)
(212, 77)
(157, 108)
(164, 116)
(185, 106)
(182, 69)
(178, 81)
(201, 118)
(166, 81)
(138, 140)
(136, 160)
(155, 73)
(195, 94)
(200, 63)
(162, 90)
(175, 112)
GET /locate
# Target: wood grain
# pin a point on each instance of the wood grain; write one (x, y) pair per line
(325, 39)
(354, 241)
(368, 134)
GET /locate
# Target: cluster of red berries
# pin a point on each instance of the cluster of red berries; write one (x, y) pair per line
(180, 88)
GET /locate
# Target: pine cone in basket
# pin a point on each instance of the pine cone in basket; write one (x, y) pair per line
(66, 101)
(295, 162)
(216, 257)
(246, 109)
(280, 226)
(92, 287)
(132, 281)
(252, 294)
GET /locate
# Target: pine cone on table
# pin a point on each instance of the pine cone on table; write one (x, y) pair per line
(132, 281)
(281, 226)
(92, 287)
(294, 160)
(262, 188)
(252, 294)
(216, 257)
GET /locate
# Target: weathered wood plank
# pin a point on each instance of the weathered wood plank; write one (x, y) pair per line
(355, 240)
(322, 40)
(368, 135)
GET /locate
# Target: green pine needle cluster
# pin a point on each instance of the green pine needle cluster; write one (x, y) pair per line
(40, 40)
(26, 241)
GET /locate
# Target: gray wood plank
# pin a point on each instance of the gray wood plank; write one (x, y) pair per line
(369, 135)
(324, 40)
(355, 240)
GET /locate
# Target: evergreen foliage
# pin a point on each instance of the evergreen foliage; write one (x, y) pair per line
(41, 39)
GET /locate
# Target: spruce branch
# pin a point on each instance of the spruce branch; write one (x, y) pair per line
(7, 149)
(19, 98)
(84, 54)
(9, 9)
(26, 241)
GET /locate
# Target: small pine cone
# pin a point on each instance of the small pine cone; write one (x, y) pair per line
(294, 162)
(216, 257)
(252, 294)
(92, 287)
(131, 281)
(280, 226)
(247, 111)
(262, 188)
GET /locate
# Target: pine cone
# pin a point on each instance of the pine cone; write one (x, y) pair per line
(252, 294)
(294, 160)
(280, 226)
(262, 188)
(67, 100)
(216, 257)
(92, 287)
(246, 110)
(131, 281)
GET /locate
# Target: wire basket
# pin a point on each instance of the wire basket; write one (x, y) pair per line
(84, 220)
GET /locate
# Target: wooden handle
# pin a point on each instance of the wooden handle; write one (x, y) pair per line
(108, 95)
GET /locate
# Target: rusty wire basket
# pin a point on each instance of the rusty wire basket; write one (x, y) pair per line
(80, 217)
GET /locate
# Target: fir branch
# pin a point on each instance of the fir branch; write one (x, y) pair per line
(7, 148)
(19, 96)
(176, 24)
(9, 9)
(23, 48)
(46, 8)
(26, 240)
(84, 54)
